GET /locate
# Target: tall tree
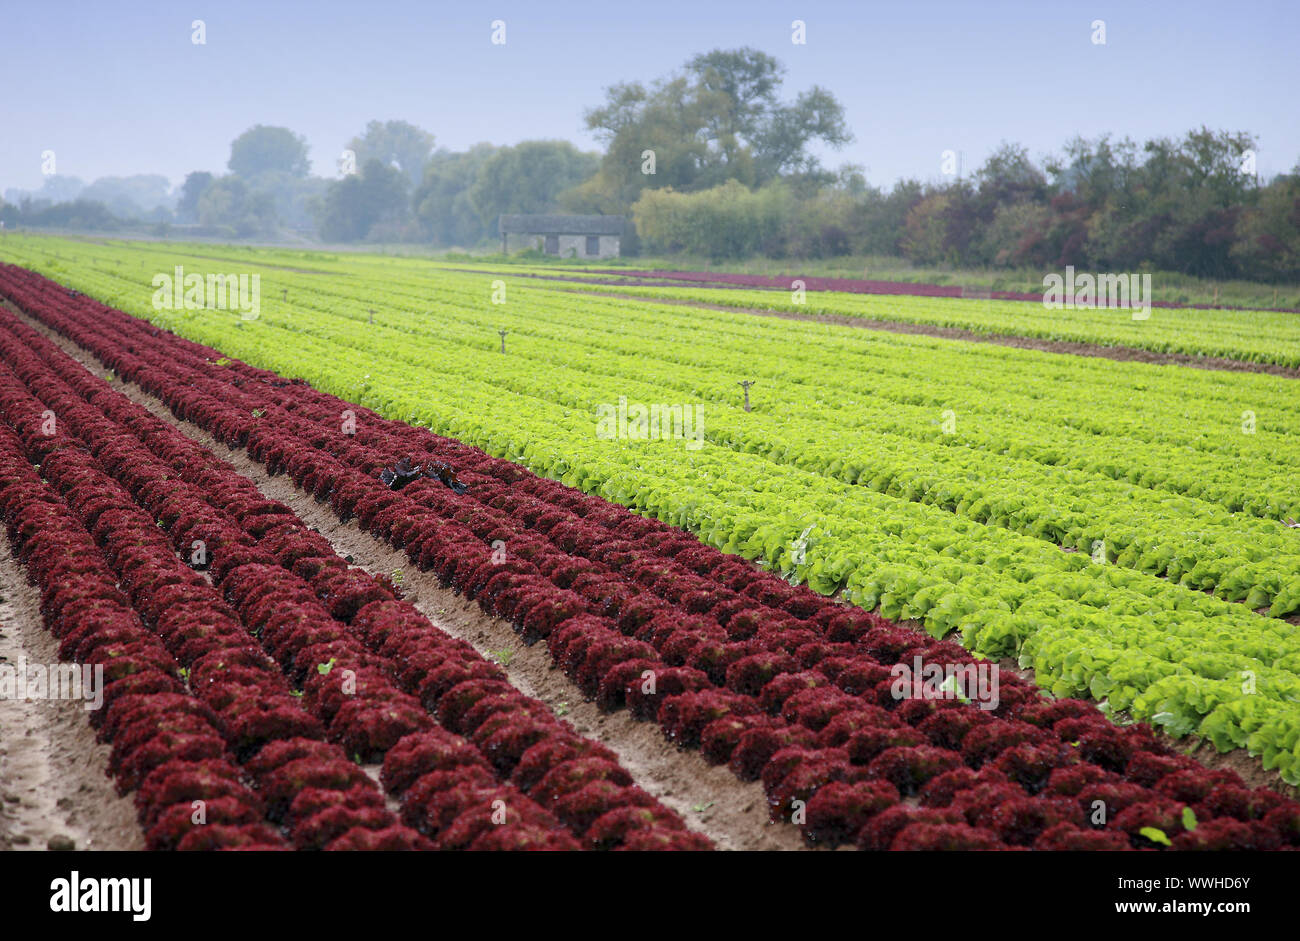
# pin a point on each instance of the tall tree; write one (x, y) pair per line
(1008, 177)
(720, 119)
(442, 203)
(195, 185)
(528, 177)
(1268, 236)
(747, 81)
(229, 201)
(140, 195)
(263, 149)
(395, 143)
(354, 204)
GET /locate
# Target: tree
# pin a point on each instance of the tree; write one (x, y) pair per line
(747, 81)
(1268, 236)
(394, 143)
(925, 240)
(653, 141)
(1017, 236)
(1009, 177)
(728, 221)
(56, 188)
(1094, 171)
(720, 119)
(356, 203)
(442, 203)
(1214, 166)
(263, 149)
(195, 185)
(229, 201)
(528, 177)
(875, 221)
(144, 194)
(83, 214)
(781, 144)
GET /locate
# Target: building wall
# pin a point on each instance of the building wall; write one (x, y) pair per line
(575, 245)
(610, 246)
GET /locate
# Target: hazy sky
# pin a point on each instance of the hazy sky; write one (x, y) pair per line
(117, 88)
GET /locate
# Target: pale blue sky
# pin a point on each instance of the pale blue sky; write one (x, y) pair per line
(118, 88)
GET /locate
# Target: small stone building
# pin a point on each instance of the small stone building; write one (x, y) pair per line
(562, 236)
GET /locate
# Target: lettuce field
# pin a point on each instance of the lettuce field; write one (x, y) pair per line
(756, 520)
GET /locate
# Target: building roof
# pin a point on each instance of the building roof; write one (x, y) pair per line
(549, 224)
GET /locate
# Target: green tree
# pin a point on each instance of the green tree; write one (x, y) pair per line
(263, 149)
(442, 202)
(925, 236)
(195, 185)
(1008, 177)
(395, 143)
(355, 204)
(528, 178)
(230, 202)
(781, 145)
(1268, 236)
(294, 197)
(143, 195)
(728, 221)
(652, 141)
(720, 119)
(1016, 236)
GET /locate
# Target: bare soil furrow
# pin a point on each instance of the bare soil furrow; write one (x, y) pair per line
(54, 789)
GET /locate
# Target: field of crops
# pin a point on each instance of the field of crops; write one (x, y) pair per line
(1117, 531)
(1250, 336)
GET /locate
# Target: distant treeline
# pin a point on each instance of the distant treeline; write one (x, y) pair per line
(1184, 206)
(713, 162)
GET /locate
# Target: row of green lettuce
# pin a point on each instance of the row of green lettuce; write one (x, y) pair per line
(883, 434)
(1251, 336)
